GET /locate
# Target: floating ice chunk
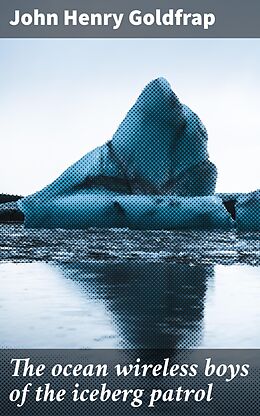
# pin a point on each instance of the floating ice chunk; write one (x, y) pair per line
(248, 212)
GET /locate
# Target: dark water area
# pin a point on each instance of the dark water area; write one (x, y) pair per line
(121, 288)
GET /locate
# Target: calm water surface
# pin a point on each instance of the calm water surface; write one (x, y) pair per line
(106, 304)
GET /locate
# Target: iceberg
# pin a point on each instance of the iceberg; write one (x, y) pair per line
(154, 173)
(141, 212)
(248, 212)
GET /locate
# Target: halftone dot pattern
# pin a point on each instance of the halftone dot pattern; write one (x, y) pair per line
(169, 314)
(239, 397)
(154, 174)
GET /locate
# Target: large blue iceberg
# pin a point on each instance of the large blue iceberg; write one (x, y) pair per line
(155, 173)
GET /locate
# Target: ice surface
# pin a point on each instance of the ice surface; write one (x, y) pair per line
(193, 247)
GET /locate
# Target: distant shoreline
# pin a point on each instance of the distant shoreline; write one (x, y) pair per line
(9, 198)
(9, 211)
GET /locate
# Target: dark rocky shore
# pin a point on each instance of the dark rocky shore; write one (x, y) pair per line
(9, 211)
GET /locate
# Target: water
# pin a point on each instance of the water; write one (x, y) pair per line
(119, 288)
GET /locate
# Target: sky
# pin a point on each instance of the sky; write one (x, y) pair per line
(61, 98)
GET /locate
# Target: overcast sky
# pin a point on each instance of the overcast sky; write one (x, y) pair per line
(61, 98)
